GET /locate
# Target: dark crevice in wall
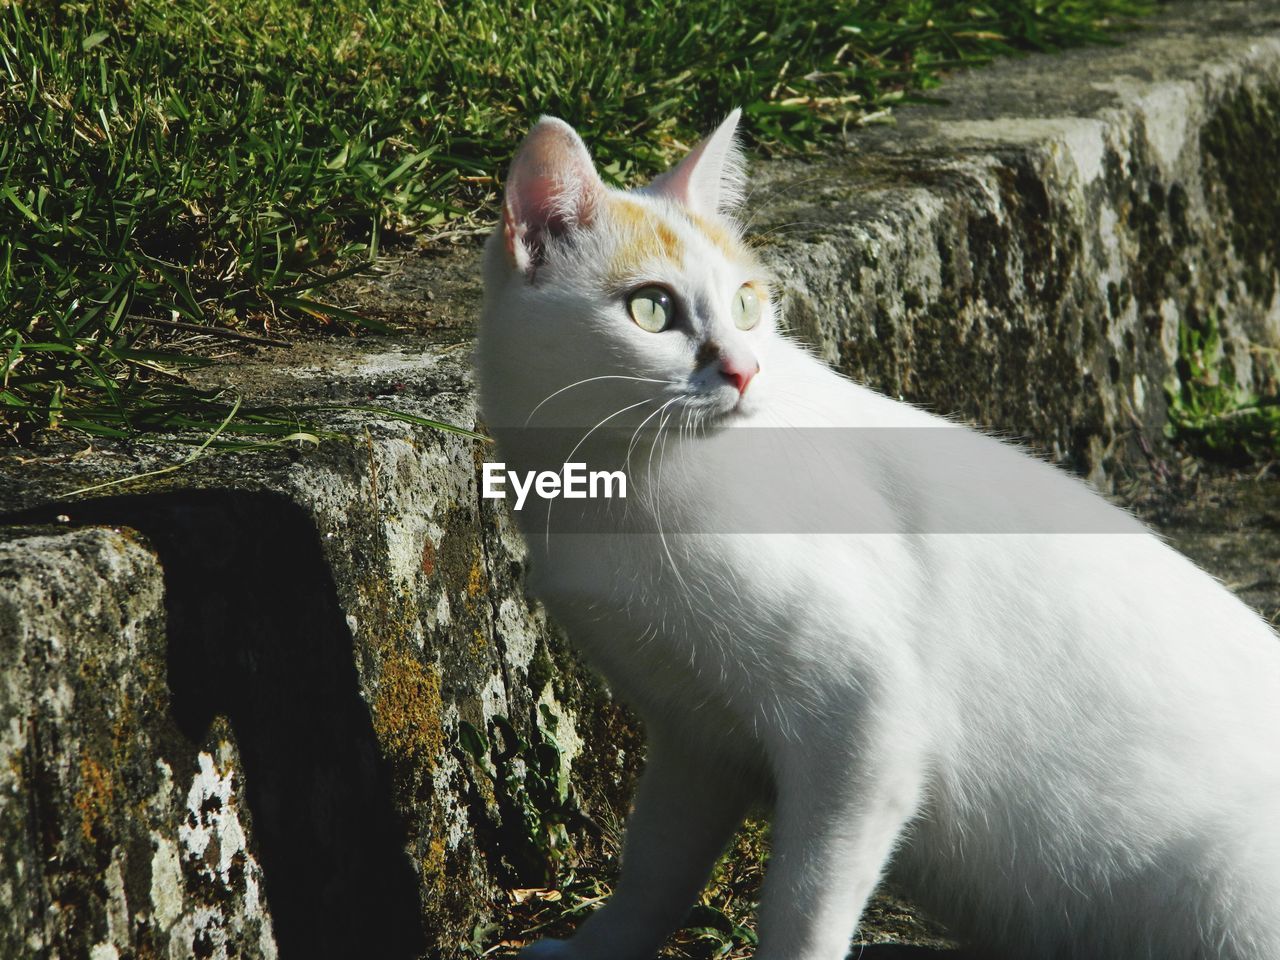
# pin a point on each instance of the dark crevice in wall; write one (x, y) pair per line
(256, 636)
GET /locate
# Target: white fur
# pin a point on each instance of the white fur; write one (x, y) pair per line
(710, 179)
(1058, 744)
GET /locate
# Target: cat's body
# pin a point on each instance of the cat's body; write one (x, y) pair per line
(1058, 744)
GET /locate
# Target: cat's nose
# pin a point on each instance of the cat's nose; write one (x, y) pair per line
(739, 372)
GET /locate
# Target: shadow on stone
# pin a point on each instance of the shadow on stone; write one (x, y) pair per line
(256, 635)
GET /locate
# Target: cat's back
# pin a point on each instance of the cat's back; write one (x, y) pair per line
(1104, 716)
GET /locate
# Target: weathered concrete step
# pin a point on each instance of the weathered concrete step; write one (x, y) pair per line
(1023, 256)
(328, 619)
(300, 638)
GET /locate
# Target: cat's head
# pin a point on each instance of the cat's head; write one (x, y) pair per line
(644, 297)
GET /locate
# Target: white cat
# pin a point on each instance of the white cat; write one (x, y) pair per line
(1059, 744)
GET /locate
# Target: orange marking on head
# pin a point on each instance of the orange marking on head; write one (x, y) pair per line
(667, 240)
(649, 237)
(626, 212)
(645, 238)
(730, 242)
(718, 234)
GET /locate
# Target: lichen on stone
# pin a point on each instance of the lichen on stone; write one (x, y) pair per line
(407, 708)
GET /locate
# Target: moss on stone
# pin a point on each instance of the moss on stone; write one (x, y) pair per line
(407, 709)
(433, 865)
(1242, 139)
(475, 579)
(94, 799)
(541, 670)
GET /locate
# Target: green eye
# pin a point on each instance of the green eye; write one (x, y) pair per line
(651, 308)
(746, 307)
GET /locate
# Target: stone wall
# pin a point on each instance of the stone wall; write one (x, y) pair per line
(1023, 256)
(306, 634)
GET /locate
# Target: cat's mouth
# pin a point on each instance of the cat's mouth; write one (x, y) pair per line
(720, 408)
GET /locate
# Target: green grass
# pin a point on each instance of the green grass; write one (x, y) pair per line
(1210, 412)
(217, 163)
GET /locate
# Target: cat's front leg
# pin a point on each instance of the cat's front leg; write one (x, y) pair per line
(839, 812)
(686, 810)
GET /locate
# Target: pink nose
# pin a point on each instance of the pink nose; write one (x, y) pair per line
(739, 374)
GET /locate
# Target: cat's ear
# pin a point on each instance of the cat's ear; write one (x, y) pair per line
(552, 187)
(710, 179)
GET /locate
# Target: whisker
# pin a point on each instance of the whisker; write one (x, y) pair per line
(772, 193)
(780, 231)
(635, 436)
(653, 491)
(626, 464)
(607, 376)
(603, 422)
(577, 445)
(684, 592)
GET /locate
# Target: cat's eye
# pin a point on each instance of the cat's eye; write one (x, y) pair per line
(746, 307)
(651, 308)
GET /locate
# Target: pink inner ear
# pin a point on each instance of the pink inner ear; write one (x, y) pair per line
(678, 182)
(513, 233)
(709, 178)
(552, 188)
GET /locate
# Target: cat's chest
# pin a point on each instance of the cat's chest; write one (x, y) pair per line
(706, 628)
(663, 619)
(680, 586)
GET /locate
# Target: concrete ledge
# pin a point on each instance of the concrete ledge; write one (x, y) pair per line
(332, 618)
(298, 639)
(1023, 256)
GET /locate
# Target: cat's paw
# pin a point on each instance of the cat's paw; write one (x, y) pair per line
(547, 950)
